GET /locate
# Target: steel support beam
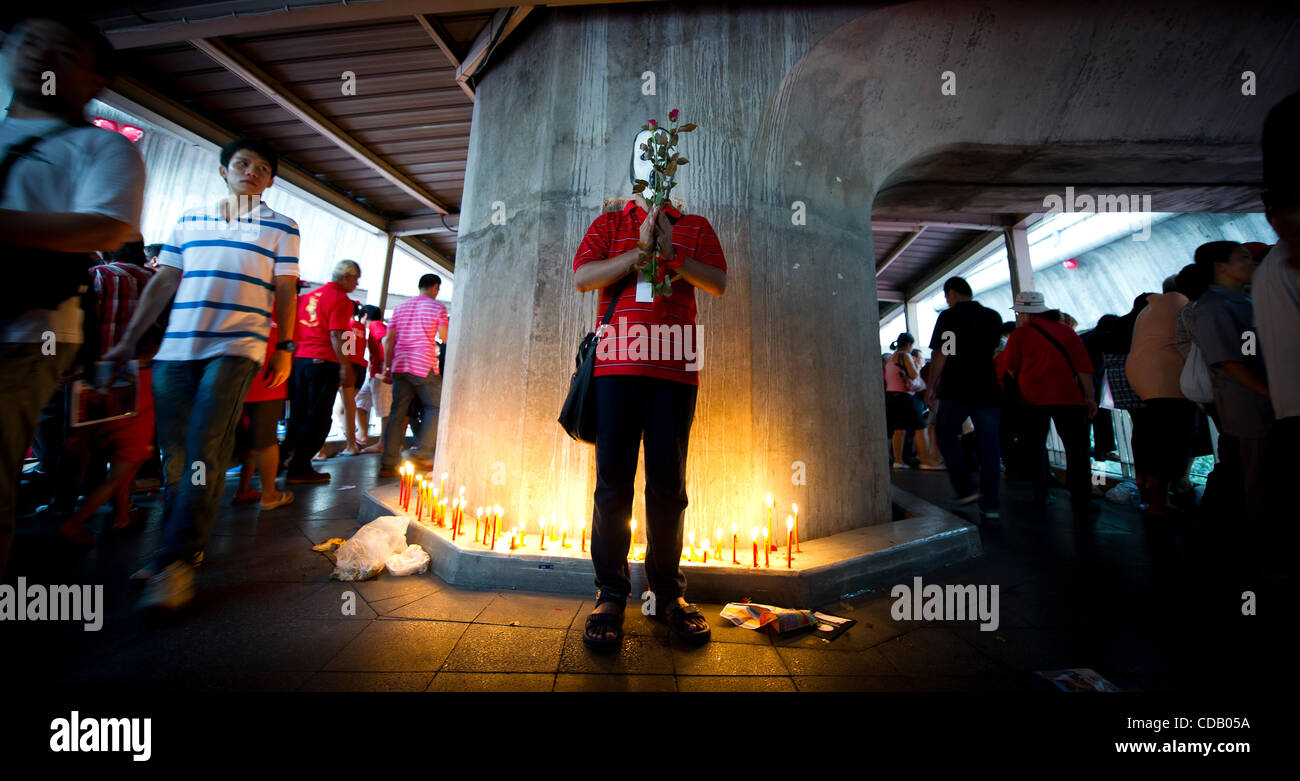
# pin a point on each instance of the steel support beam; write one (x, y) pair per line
(898, 250)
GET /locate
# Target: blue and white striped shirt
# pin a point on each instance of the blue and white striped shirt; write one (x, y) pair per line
(227, 291)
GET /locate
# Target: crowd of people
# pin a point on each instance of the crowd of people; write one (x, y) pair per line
(1218, 343)
(212, 326)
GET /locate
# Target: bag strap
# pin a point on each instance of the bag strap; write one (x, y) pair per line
(1058, 346)
(25, 147)
(613, 301)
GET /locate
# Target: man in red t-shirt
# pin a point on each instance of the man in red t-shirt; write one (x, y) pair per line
(646, 379)
(322, 362)
(1054, 374)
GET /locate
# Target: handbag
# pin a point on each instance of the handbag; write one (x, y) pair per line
(1194, 380)
(578, 415)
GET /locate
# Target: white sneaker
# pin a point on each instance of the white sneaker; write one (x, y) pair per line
(171, 589)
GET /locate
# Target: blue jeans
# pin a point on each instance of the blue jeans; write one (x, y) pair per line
(947, 430)
(197, 405)
(405, 388)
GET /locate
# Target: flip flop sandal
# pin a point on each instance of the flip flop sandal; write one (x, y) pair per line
(594, 635)
(285, 498)
(676, 618)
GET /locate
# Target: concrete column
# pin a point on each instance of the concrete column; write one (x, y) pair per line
(910, 316)
(789, 401)
(1022, 273)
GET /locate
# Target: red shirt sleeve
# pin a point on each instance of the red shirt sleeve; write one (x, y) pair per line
(707, 250)
(595, 245)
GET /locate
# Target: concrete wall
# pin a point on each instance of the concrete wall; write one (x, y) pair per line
(820, 105)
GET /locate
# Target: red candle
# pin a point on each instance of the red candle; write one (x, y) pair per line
(564, 535)
(478, 516)
(789, 542)
(734, 560)
(541, 540)
(583, 528)
(753, 535)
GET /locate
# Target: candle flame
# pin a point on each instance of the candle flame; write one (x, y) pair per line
(765, 534)
(769, 500)
(691, 536)
(564, 527)
(733, 528)
(795, 507)
(753, 533)
(789, 523)
(444, 475)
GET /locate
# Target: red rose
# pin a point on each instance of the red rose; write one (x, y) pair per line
(672, 115)
(651, 124)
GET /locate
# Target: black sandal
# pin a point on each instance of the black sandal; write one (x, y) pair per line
(594, 635)
(679, 619)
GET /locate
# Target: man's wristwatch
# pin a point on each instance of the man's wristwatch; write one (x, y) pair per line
(289, 347)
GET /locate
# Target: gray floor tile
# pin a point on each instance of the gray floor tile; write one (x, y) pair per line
(446, 604)
(398, 646)
(506, 649)
(580, 682)
(367, 682)
(734, 683)
(640, 654)
(552, 611)
(492, 682)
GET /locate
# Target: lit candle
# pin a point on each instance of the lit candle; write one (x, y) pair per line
(718, 554)
(633, 539)
(523, 533)
(513, 544)
(690, 555)
(767, 550)
(442, 511)
(419, 495)
(478, 517)
(564, 534)
(453, 527)
(753, 535)
(582, 529)
(734, 560)
(541, 538)
(797, 547)
(442, 486)
(768, 536)
(789, 541)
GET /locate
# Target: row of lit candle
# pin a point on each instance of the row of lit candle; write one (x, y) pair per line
(432, 501)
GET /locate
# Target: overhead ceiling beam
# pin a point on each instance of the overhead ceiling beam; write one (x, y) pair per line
(447, 43)
(239, 65)
(432, 258)
(898, 250)
(493, 33)
(888, 294)
(950, 266)
(420, 226)
(177, 29)
(901, 226)
(140, 100)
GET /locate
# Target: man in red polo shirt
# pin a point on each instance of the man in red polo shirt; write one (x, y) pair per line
(646, 379)
(322, 362)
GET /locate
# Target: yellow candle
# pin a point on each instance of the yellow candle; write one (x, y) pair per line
(795, 507)
(769, 519)
(634, 539)
(564, 534)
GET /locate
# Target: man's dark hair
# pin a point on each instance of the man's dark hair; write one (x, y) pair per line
(106, 61)
(375, 314)
(152, 251)
(255, 145)
(130, 252)
(957, 285)
(1193, 280)
(1008, 327)
(430, 280)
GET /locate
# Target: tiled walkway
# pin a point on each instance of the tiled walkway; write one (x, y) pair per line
(1147, 609)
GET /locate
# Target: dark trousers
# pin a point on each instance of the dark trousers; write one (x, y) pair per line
(311, 395)
(1072, 427)
(947, 430)
(418, 397)
(197, 406)
(630, 410)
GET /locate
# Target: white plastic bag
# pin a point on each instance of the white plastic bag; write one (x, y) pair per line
(1124, 493)
(412, 561)
(363, 556)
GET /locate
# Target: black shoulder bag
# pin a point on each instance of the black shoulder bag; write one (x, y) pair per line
(578, 415)
(40, 279)
(1068, 362)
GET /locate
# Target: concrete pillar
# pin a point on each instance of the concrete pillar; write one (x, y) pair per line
(786, 403)
(1022, 272)
(913, 322)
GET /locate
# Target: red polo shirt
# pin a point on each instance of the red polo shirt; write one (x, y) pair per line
(325, 309)
(376, 346)
(638, 342)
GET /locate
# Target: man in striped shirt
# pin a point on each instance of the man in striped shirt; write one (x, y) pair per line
(646, 378)
(411, 364)
(238, 261)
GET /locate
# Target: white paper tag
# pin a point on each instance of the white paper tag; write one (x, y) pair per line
(644, 294)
